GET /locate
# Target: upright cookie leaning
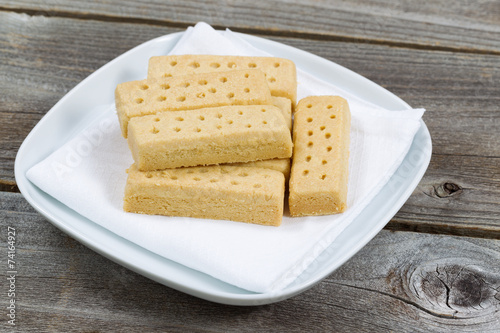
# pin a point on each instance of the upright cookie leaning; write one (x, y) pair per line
(321, 137)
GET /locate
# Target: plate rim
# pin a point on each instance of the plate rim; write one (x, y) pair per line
(249, 298)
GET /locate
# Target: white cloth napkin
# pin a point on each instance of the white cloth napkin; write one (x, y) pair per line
(88, 175)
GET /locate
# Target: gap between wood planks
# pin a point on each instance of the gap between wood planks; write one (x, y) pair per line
(441, 229)
(8, 186)
(254, 31)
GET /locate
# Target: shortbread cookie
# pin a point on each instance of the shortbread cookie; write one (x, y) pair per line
(281, 73)
(226, 134)
(244, 194)
(285, 106)
(145, 97)
(318, 181)
(279, 164)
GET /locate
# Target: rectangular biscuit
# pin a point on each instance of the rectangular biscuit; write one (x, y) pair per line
(244, 194)
(285, 106)
(281, 73)
(321, 136)
(279, 164)
(188, 92)
(225, 134)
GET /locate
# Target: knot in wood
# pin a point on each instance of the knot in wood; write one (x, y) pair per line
(456, 291)
(447, 189)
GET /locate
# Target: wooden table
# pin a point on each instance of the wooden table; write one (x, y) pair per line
(435, 267)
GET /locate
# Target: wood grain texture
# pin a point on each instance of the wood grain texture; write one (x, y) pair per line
(401, 282)
(467, 26)
(459, 195)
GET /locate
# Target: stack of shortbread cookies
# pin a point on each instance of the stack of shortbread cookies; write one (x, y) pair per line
(211, 138)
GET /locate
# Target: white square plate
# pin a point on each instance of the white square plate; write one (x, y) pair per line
(71, 114)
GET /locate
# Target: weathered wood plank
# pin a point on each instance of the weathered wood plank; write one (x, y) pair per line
(461, 93)
(459, 195)
(469, 26)
(14, 127)
(401, 282)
